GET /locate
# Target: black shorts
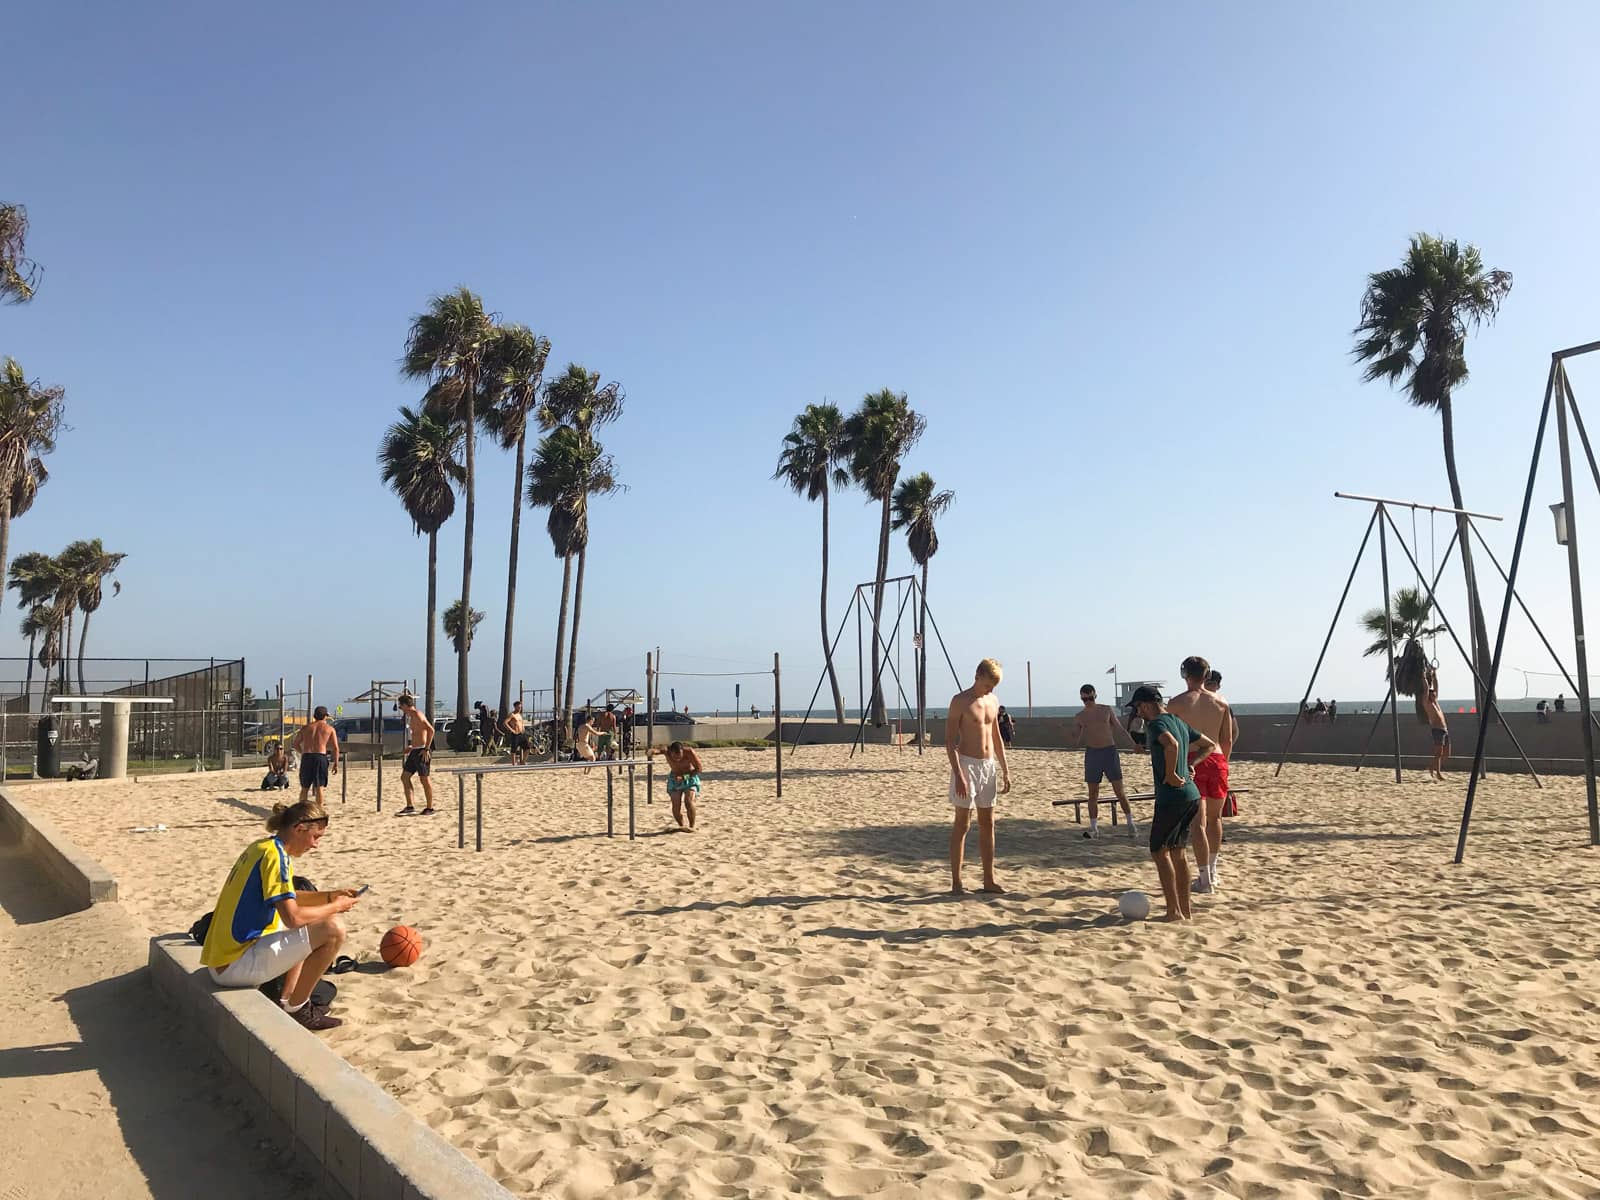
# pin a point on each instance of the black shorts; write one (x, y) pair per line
(519, 741)
(1169, 828)
(416, 763)
(314, 770)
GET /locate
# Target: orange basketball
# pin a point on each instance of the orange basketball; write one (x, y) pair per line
(401, 946)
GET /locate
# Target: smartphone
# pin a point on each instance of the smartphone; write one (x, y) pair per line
(363, 889)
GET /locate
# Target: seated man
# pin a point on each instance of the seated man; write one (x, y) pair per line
(262, 928)
(277, 768)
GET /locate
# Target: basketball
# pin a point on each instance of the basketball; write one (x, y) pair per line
(1135, 906)
(402, 945)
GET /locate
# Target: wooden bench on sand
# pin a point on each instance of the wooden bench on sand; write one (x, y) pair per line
(1110, 800)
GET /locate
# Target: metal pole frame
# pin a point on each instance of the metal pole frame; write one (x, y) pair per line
(886, 660)
(777, 715)
(1563, 401)
(1388, 638)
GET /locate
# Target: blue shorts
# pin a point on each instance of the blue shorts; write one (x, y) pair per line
(1102, 762)
(682, 783)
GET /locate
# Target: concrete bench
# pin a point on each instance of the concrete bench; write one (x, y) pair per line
(1110, 799)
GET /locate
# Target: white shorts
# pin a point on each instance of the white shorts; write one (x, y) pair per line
(981, 775)
(267, 958)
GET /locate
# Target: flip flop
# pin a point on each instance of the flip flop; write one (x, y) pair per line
(342, 964)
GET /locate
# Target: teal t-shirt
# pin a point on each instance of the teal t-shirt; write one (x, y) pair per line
(1180, 730)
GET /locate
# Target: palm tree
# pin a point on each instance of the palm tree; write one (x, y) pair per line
(877, 436)
(30, 419)
(917, 505)
(576, 400)
(809, 464)
(1409, 615)
(567, 469)
(52, 616)
(35, 576)
(19, 274)
(89, 563)
(446, 347)
(418, 459)
(1414, 323)
(452, 627)
(516, 362)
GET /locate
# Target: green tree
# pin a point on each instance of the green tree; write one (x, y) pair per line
(89, 564)
(810, 464)
(1413, 330)
(446, 347)
(918, 505)
(877, 435)
(19, 274)
(1410, 619)
(576, 400)
(419, 459)
(453, 631)
(566, 470)
(35, 576)
(516, 363)
(30, 419)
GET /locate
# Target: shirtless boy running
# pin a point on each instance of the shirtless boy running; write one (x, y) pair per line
(318, 747)
(1095, 729)
(1207, 713)
(1428, 706)
(419, 756)
(972, 740)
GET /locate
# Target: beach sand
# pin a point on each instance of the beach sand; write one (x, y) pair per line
(788, 1002)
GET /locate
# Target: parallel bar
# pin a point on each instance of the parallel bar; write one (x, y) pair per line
(630, 804)
(461, 811)
(610, 820)
(1410, 504)
(1137, 796)
(480, 812)
(566, 766)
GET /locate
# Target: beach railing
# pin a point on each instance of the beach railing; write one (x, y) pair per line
(606, 765)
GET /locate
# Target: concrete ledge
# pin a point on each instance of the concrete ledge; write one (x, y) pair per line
(365, 1144)
(83, 879)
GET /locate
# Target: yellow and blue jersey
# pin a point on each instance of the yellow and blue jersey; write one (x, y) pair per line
(246, 908)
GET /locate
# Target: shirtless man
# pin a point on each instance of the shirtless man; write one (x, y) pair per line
(583, 746)
(318, 744)
(516, 726)
(1214, 686)
(1095, 729)
(419, 756)
(683, 784)
(1428, 706)
(972, 741)
(605, 727)
(1207, 713)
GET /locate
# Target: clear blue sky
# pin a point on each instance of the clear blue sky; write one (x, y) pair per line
(1113, 253)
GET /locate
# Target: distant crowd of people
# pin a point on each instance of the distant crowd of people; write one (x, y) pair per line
(1319, 711)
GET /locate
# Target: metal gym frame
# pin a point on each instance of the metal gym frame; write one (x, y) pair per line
(1558, 388)
(910, 592)
(1384, 520)
(375, 698)
(653, 675)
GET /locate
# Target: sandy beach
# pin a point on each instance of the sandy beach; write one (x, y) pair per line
(788, 1002)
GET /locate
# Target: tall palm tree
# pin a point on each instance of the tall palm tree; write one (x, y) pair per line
(19, 274)
(446, 347)
(577, 400)
(462, 641)
(918, 504)
(877, 436)
(516, 362)
(810, 464)
(419, 459)
(52, 616)
(89, 563)
(1414, 323)
(30, 419)
(567, 469)
(35, 576)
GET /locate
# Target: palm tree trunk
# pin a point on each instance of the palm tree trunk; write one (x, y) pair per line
(827, 649)
(511, 574)
(66, 658)
(880, 716)
(577, 612)
(1480, 632)
(83, 638)
(429, 686)
(27, 689)
(463, 692)
(5, 536)
(561, 650)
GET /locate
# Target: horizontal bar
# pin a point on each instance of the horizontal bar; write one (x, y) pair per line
(1426, 507)
(73, 700)
(1136, 796)
(566, 766)
(1574, 351)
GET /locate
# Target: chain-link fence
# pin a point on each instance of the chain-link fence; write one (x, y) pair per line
(209, 716)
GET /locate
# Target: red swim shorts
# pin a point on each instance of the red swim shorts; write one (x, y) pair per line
(1211, 776)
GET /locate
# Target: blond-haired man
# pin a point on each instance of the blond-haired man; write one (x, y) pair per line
(972, 741)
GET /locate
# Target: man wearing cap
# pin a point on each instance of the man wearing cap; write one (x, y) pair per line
(1172, 742)
(318, 745)
(1209, 713)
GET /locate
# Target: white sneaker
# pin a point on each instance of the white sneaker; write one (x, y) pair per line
(1091, 833)
(1201, 884)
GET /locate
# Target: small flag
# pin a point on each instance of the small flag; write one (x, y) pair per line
(1112, 671)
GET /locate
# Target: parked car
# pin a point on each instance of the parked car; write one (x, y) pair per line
(663, 717)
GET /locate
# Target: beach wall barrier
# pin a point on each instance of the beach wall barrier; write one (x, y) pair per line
(80, 877)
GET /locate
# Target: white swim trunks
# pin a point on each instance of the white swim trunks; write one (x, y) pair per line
(981, 776)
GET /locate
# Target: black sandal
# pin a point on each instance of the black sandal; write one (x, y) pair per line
(341, 965)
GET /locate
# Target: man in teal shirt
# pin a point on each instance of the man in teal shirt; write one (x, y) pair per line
(1170, 742)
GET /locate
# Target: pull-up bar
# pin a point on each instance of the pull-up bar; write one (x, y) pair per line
(1460, 512)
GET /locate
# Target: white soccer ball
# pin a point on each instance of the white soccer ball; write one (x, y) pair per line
(1135, 906)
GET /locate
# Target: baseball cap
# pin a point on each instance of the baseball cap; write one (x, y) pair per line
(1145, 694)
